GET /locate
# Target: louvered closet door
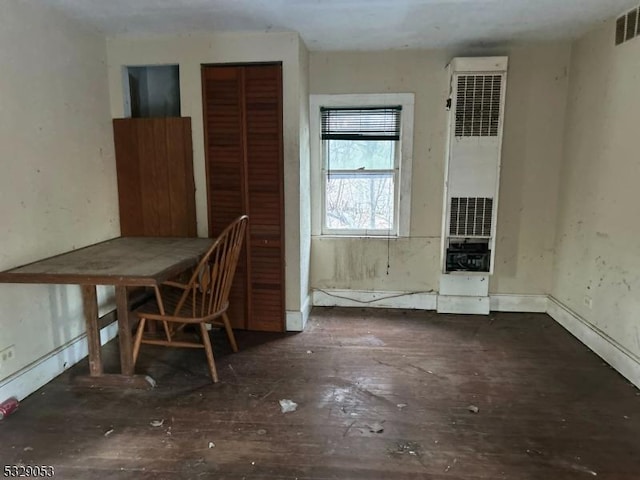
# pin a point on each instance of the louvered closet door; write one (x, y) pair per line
(224, 143)
(243, 125)
(263, 101)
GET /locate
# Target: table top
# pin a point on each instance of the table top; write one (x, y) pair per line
(130, 261)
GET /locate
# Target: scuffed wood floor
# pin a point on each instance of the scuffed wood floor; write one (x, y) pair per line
(548, 408)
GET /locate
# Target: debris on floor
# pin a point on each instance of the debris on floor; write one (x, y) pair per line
(287, 405)
(402, 405)
(108, 432)
(406, 448)
(576, 467)
(27, 449)
(376, 427)
(262, 431)
(455, 460)
(8, 407)
(533, 451)
(157, 423)
(212, 445)
(473, 409)
(309, 352)
(150, 381)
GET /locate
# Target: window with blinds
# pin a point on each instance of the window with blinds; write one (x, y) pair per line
(361, 168)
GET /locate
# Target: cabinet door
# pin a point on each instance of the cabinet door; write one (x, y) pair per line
(243, 130)
(154, 165)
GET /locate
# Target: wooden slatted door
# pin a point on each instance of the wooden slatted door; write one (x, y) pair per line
(243, 140)
(226, 185)
(263, 107)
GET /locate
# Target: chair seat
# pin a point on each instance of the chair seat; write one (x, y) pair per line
(170, 298)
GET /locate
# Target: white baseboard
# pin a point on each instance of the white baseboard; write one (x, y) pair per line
(518, 303)
(616, 355)
(421, 300)
(377, 299)
(297, 320)
(30, 378)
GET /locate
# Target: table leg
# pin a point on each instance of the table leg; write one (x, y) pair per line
(90, 305)
(97, 378)
(124, 331)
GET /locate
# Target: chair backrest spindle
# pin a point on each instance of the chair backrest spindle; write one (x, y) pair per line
(211, 281)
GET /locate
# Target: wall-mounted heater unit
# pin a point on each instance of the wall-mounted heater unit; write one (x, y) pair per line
(472, 173)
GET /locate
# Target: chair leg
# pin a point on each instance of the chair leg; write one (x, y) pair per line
(138, 339)
(167, 332)
(227, 327)
(209, 351)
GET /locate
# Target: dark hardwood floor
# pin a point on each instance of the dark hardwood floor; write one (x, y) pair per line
(381, 395)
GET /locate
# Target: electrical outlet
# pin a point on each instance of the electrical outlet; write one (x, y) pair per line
(7, 355)
(588, 302)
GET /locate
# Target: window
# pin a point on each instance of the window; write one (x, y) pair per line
(360, 168)
(363, 159)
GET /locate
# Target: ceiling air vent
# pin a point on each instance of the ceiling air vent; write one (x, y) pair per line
(627, 26)
(470, 217)
(478, 105)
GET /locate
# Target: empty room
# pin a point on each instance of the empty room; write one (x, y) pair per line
(320, 239)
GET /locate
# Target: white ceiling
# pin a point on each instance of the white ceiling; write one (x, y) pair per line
(355, 24)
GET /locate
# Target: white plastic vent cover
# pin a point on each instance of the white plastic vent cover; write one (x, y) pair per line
(470, 217)
(478, 105)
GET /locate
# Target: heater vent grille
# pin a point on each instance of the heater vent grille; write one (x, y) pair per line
(478, 105)
(628, 26)
(471, 217)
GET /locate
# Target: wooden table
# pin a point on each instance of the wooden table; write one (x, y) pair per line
(122, 262)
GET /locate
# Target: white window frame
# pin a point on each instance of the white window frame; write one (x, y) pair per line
(404, 156)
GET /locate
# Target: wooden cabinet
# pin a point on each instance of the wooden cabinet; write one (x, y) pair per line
(154, 162)
(243, 145)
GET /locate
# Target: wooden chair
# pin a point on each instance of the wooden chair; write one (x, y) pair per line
(203, 300)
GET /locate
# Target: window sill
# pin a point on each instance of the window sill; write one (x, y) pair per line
(350, 236)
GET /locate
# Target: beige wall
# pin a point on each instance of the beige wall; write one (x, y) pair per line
(189, 52)
(534, 119)
(57, 186)
(305, 183)
(598, 251)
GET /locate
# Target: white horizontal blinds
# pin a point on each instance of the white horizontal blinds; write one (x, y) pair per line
(369, 123)
(470, 217)
(478, 105)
